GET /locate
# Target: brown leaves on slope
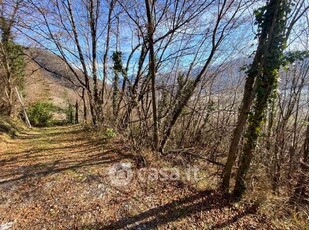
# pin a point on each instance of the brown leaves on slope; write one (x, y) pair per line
(57, 178)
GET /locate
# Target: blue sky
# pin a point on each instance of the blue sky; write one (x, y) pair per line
(191, 39)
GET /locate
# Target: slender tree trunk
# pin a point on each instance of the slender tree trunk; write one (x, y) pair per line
(83, 62)
(241, 122)
(300, 193)
(105, 57)
(152, 73)
(115, 95)
(84, 105)
(23, 107)
(294, 142)
(76, 113)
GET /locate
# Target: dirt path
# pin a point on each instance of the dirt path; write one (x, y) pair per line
(57, 178)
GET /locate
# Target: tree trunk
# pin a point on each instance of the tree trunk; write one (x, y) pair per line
(249, 91)
(23, 107)
(275, 19)
(152, 73)
(93, 13)
(300, 194)
(84, 105)
(241, 122)
(76, 113)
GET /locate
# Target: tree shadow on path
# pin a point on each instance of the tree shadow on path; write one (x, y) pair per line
(173, 211)
(59, 150)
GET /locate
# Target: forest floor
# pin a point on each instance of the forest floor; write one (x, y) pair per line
(57, 178)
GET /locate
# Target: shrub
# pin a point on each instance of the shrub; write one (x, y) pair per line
(41, 113)
(110, 133)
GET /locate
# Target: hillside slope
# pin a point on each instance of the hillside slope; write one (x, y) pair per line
(42, 85)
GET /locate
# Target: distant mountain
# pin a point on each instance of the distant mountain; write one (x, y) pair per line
(56, 67)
